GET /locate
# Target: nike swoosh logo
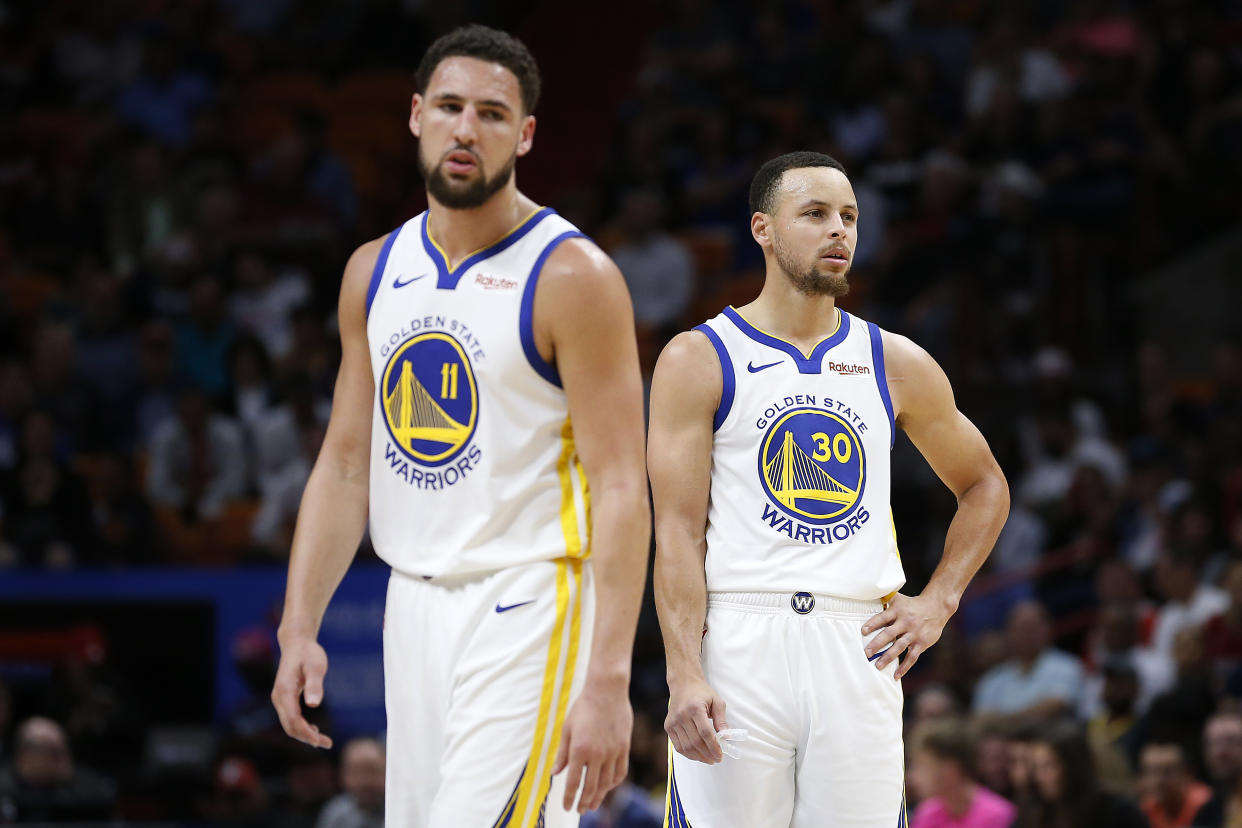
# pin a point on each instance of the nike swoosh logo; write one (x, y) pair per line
(499, 608)
(397, 283)
(754, 369)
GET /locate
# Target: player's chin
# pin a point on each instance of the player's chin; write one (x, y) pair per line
(834, 268)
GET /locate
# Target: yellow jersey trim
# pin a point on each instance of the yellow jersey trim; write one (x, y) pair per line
(448, 264)
(806, 354)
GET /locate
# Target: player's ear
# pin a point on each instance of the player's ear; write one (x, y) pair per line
(416, 112)
(760, 229)
(526, 137)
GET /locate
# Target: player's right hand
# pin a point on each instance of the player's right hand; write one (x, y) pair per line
(695, 713)
(303, 664)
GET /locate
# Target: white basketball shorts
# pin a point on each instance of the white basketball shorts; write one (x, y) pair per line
(823, 726)
(479, 674)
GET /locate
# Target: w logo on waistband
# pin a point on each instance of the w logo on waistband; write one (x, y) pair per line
(802, 602)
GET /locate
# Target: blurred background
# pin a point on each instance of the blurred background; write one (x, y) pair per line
(1050, 205)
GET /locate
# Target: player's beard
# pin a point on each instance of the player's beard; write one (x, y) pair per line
(805, 278)
(457, 194)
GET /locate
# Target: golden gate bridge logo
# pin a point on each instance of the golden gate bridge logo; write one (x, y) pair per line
(812, 465)
(430, 399)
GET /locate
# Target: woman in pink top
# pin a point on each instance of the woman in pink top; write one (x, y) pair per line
(942, 773)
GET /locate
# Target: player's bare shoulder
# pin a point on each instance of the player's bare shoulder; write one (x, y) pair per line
(357, 281)
(916, 381)
(578, 266)
(689, 371)
(581, 297)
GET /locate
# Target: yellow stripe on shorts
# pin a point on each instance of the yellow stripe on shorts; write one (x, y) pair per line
(567, 682)
(558, 680)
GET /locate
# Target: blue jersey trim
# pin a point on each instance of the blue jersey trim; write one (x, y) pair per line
(526, 329)
(378, 272)
(806, 364)
(728, 380)
(881, 379)
(446, 278)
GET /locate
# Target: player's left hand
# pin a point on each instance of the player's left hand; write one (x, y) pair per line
(910, 625)
(595, 745)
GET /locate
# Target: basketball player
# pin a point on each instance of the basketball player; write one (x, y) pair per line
(777, 568)
(489, 411)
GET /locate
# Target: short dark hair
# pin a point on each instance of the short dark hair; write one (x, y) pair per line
(763, 186)
(484, 43)
(949, 739)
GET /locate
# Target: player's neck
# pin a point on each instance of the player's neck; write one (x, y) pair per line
(785, 312)
(458, 233)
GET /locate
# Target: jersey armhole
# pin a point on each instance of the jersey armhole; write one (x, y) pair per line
(526, 330)
(378, 272)
(881, 379)
(728, 382)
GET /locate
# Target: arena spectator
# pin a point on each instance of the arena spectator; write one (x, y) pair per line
(203, 340)
(196, 459)
(264, 298)
(1222, 753)
(361, 802)
(658, 268)
(45, 499)
(944, 777)
(1114, 731)
(43, 784)
(1064, 787)
(164, 97)
(1189, 602)
(934, 703)
(625, 806)
(1222, 749)
(1181, 712)
(1222, 633)
(1114, 639)
(238, 797)
(1000, 762)
(1169, 794)
(1037, 682)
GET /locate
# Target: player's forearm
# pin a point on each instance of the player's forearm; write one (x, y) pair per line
(331, 520)
(681, 601)
(621, 534)
(981, 513)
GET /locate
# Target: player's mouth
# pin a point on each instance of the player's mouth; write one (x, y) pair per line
(460, 162)
(837, 255)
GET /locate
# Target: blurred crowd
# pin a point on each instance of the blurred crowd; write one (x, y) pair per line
(181, 183)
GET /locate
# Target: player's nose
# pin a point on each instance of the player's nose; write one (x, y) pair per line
(465, 127)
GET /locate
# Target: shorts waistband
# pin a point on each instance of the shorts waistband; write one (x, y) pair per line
(799, 603)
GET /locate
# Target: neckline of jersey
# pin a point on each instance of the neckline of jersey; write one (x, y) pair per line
(447, 278)
(807, 363)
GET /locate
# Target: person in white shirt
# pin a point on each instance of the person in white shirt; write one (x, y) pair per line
(1039, 682)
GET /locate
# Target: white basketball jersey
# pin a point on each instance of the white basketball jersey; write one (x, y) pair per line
(473, 466)
(800, 464)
